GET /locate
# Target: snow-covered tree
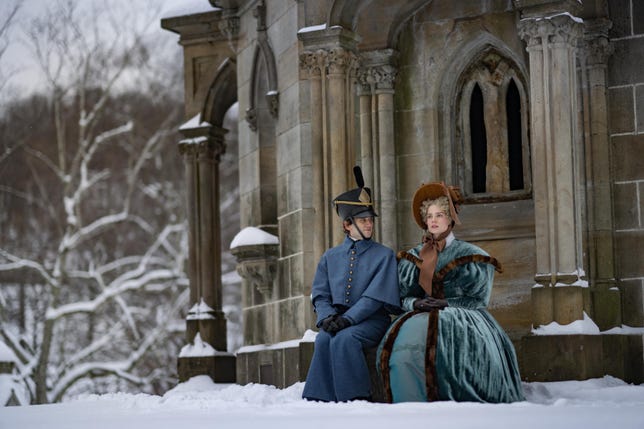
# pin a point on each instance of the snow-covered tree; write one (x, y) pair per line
(92, 231)
(8, 11)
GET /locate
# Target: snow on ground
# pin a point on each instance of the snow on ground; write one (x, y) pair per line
(199, 403)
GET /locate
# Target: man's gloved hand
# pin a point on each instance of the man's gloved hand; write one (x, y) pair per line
(326, 322)
(428, 303)
(338, 324)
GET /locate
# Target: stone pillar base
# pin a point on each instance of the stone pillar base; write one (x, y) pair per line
(578, 357)
(220, 368)
(212, 330)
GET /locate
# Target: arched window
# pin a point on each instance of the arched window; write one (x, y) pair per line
(515, 145)
(494, 161)
(479, 140)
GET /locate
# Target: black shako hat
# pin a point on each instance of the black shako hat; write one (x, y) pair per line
(356, 202)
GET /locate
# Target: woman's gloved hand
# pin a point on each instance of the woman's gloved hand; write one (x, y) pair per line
(429, 303)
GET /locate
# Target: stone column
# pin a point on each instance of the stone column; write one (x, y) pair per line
(377, 78)
(596, 49)
(206, 322)
(331, 51)
(312, 63)
(366, 132)
(337, 62)
(551, 43)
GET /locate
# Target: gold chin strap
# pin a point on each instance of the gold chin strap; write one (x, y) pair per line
(353, 203)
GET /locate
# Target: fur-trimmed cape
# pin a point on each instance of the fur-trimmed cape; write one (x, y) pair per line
(460, 348)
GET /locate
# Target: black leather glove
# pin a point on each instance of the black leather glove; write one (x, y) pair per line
(338, 324)
(326, 322)
(429, 304)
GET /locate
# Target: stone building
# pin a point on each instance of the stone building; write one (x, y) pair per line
(535, 108)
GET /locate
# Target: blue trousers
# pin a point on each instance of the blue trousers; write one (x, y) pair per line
(338, 370)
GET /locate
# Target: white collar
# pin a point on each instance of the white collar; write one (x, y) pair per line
(449, 239)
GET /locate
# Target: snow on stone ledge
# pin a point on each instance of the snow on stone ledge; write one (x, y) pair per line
(200, 348)
(200, 311)
(194, 122)
(251, 236)
(625, 330)
(189, 7)
(309, 337)
(585, 326)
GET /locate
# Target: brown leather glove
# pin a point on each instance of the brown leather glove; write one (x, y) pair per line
(428, 303)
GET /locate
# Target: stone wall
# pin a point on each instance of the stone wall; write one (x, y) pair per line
(283, 313)
(626, 125)
(436, 48)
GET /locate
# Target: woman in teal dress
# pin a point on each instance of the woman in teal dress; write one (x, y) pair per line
(446, 346)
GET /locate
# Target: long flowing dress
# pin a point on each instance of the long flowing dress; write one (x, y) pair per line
(459, 353)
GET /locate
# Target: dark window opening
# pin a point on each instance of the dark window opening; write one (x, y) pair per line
(479, 141)
(515, 150)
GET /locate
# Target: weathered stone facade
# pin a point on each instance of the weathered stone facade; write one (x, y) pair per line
(535, 108)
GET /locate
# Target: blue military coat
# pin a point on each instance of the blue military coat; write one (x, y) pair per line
(359, 280)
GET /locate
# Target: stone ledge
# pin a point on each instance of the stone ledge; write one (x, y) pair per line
(286, 366)
(578, 357)
(220, 368)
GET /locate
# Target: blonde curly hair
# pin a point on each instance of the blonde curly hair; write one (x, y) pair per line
(442, 203)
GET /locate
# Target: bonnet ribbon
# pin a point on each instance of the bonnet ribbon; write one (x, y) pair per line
(429, 254)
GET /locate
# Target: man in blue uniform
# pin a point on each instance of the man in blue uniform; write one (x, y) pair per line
(354, 290)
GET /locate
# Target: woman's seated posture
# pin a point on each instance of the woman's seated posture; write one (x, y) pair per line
(446, 346)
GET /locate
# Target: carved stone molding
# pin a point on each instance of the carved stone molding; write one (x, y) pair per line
(260, 15)
(257, 264)
(556, 29)
(378, 77)
(313, 62)
(202, 148)
(251, 118)
(260, 274)
(264, 52)
(273, 101)
(378, 70)
(597, 47)
(229, 26)
(339, 61)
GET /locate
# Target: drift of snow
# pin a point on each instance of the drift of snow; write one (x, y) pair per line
(586, 326)
(200, 403)
(250, 236)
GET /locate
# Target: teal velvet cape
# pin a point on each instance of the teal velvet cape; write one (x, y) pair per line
(474, 358)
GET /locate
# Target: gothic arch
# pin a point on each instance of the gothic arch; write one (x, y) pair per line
(222, 93)
(358, 16)
(263, 67)
(452, 83)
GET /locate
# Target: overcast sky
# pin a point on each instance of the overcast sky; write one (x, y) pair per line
(17, 58)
